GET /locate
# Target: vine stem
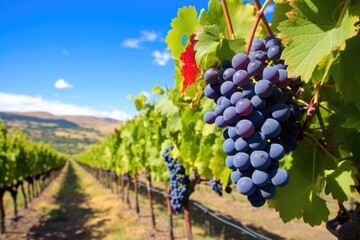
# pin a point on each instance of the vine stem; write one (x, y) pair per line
(329, 146)
(263, 18)
(256, 23)
(343, 11)
(228, 20)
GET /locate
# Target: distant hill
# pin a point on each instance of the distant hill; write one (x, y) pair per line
(68, 134)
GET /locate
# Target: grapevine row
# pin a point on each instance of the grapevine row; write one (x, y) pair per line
(22, 160)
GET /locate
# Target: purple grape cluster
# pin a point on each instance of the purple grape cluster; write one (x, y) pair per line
(178, 181)
(255, 105)
(216, 186)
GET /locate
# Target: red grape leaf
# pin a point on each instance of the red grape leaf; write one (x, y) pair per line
(189, 69)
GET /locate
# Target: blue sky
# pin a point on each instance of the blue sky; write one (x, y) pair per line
(78, 57)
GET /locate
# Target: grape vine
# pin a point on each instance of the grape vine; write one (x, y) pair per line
(308, 131)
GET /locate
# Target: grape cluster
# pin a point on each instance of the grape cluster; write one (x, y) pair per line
(127, 176)
(255, 105)
(178, 181)
(216, 186)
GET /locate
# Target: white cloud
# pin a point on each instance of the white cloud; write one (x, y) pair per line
(161, 58)
(131, 43)
(24, 103)
(269, 9)
(145, 36)
(65, 52)
(61, 84)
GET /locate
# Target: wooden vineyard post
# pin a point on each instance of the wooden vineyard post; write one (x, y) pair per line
(127, 197)
(136, 190)
(194, 178)
(187, 219)
(23, 193)
(2, 211)
(122, 178)
(149, 187)
(170, 219)
(13, 192)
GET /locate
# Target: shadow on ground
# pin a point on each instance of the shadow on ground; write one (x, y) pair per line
(68, 221)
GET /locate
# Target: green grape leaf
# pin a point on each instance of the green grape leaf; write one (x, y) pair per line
(166, 106)
(217, 162)
(205, 154)
(211, 46)
(174, 122)
(207, 45)
(339, 182)
(242, 17)
(190, 139)
(184, 24)
(298, 199)
(139, 102)
(312, 32)
(316, 211)
(157, 89)
(279, 15)
(228, 48)
(225, 177)
(346, 71)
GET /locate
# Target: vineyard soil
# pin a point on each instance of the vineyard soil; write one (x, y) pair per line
(76, 206)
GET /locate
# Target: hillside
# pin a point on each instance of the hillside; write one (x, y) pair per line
(68, 134)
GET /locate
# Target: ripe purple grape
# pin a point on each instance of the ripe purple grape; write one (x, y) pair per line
(276, 151)
(280, 112)
(256, 200)
(230, 115)
(257, 141)
(209, 117)
(255, 68)
(245, 128)
(241, 78)
(228, 74)
(211, 76)
(235, 97)
(271, 128)
(274, 52)
(212, 91)
(244, 107)
(267, 192)
(279, 177)
(229, 146)
(227, 88)
(240, 61)
(260, 159)
(271, 73)
(260, 177)
(241, 145)
(246, 186)
(241, 161)
(264, 88)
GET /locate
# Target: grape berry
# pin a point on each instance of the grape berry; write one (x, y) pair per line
(255, 105)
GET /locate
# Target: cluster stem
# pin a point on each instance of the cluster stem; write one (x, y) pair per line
(256, 23)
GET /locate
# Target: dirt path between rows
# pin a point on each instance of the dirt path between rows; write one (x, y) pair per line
(76, 206)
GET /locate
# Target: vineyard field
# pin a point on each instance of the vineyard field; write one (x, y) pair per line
(104, 216)
(257, 137)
